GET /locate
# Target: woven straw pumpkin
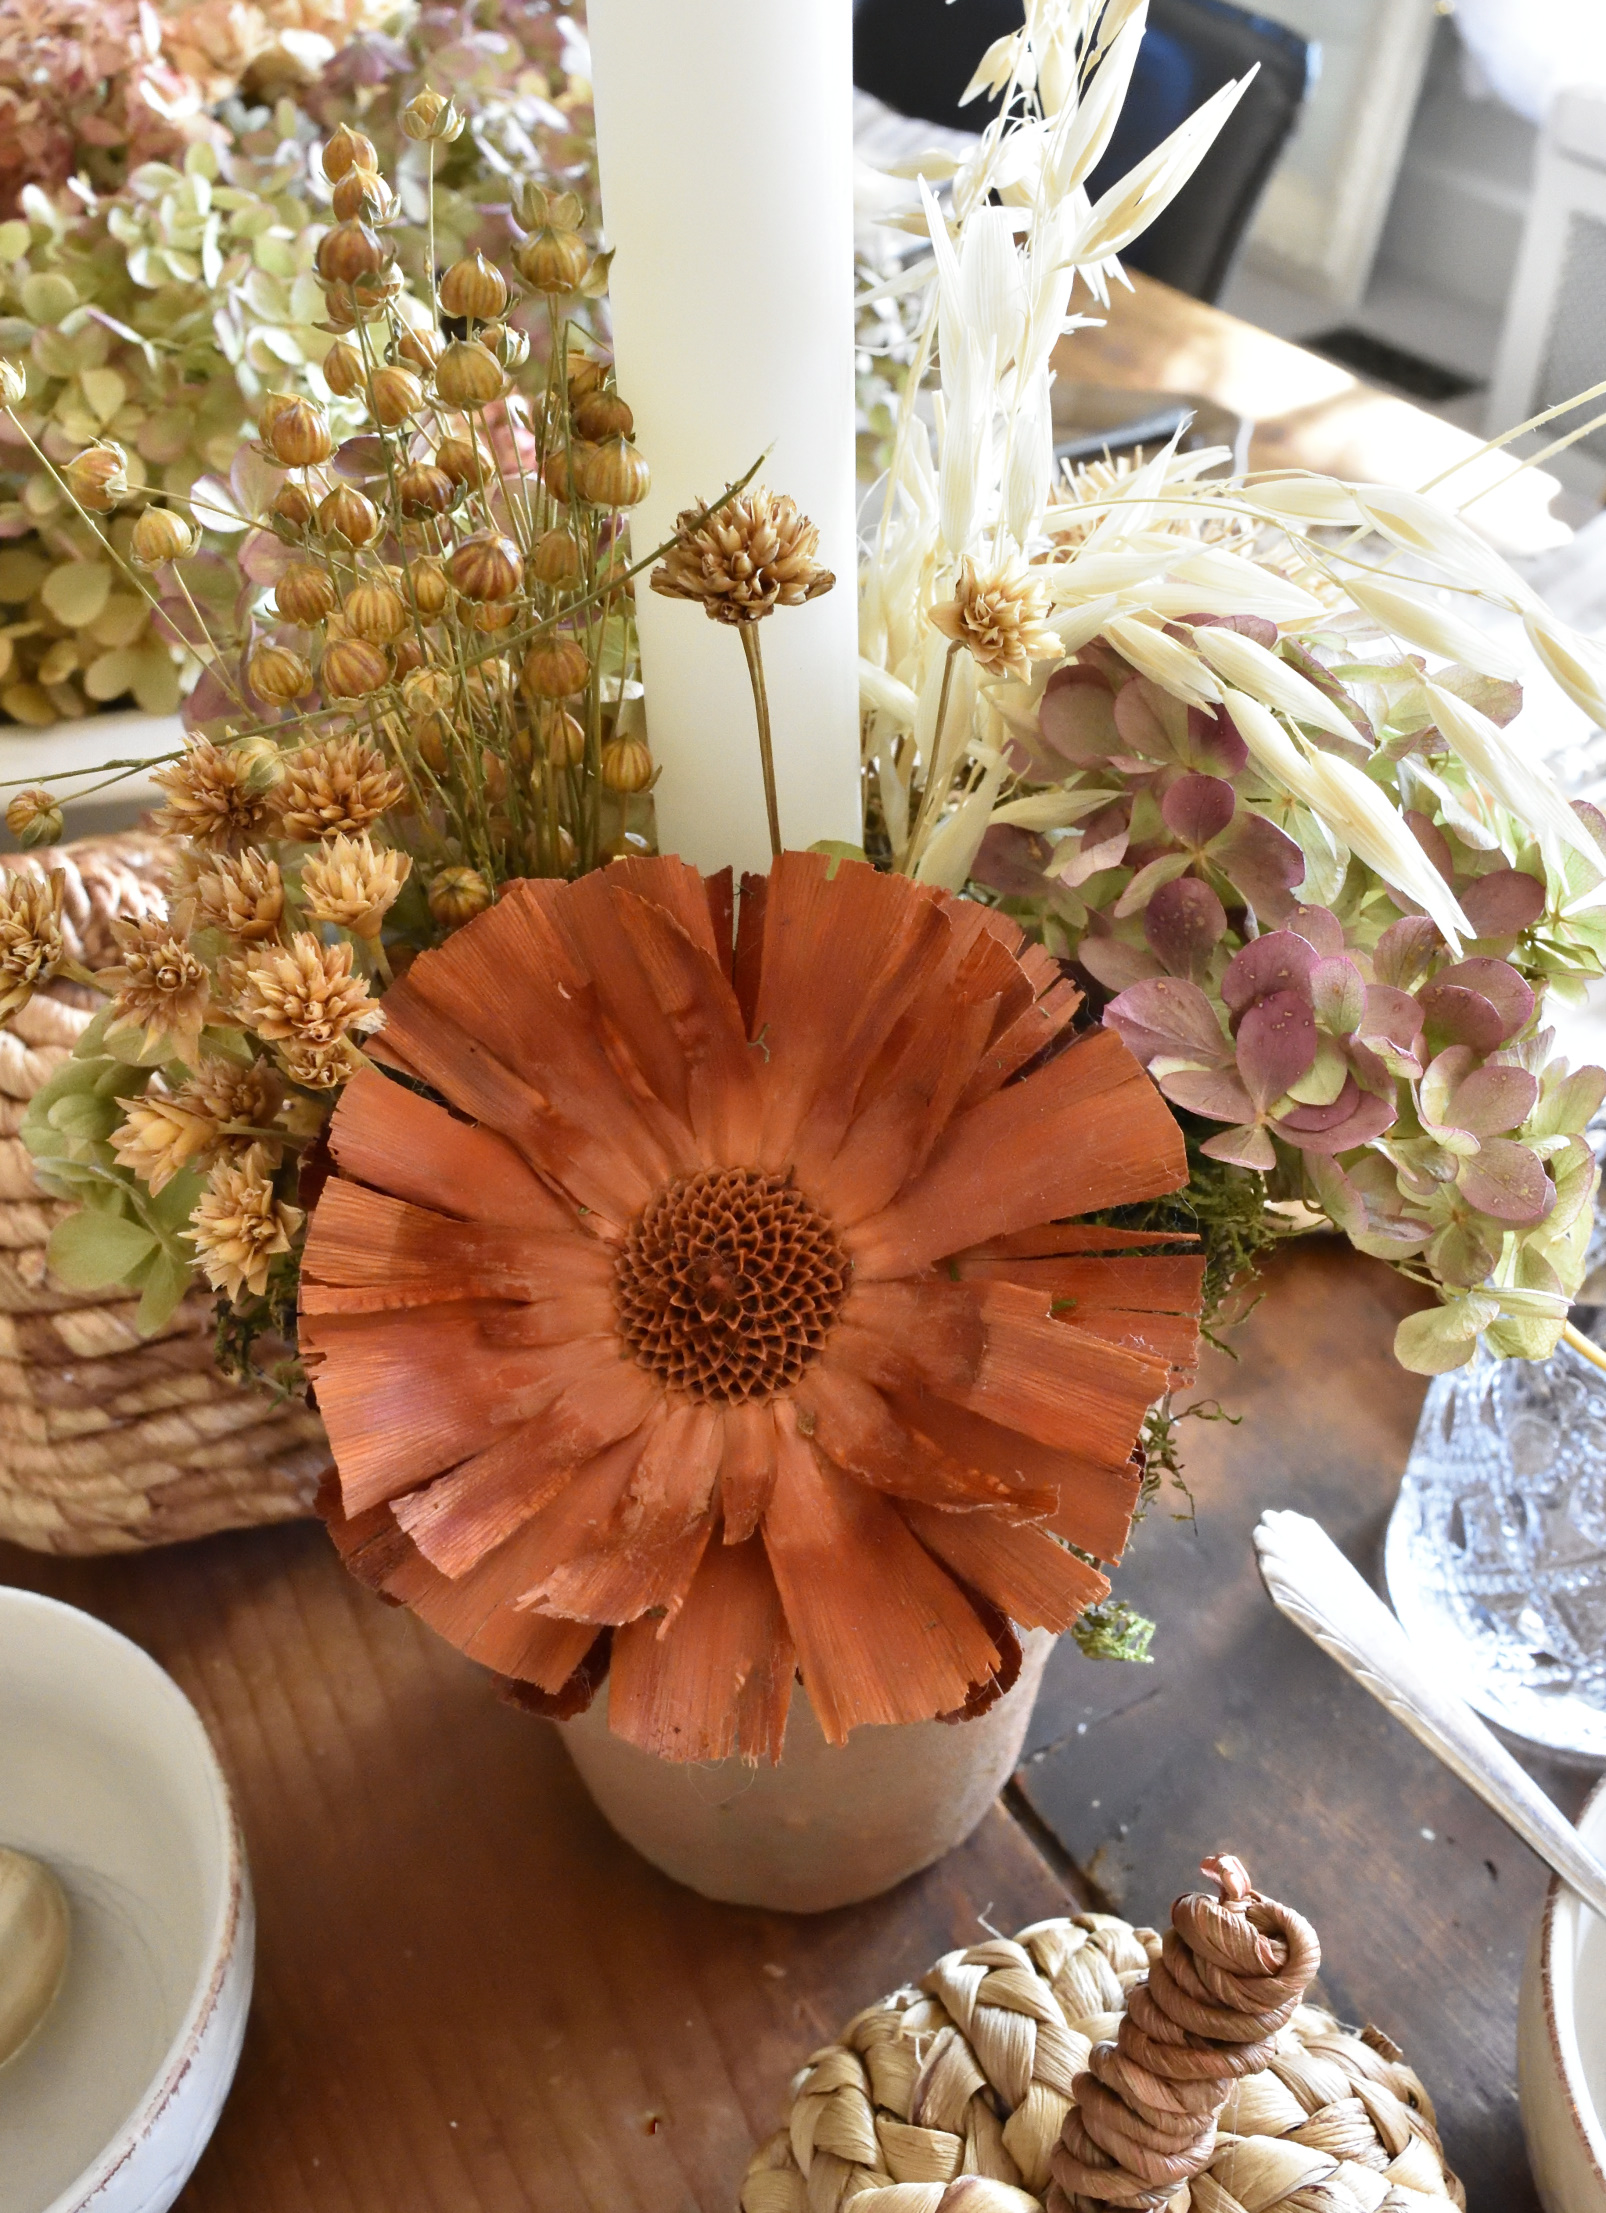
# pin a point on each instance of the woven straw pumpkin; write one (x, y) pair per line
(952, 2098)
(110, 1441)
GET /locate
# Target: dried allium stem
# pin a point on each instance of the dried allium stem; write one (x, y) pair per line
(748, 632)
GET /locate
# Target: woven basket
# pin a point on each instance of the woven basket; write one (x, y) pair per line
(110, 1441)
(950, 2098)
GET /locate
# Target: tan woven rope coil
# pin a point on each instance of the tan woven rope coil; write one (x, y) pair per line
(955, 2097)
(110, 1441)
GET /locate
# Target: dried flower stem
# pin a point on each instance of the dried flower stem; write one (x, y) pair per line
(1585, 1347)
(748, 632)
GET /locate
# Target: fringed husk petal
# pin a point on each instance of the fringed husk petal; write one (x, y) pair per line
(746, 1469)
(1028, 1577)
(714, 1679)
(385, 1135)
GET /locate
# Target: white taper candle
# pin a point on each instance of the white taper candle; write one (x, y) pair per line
(724, 136)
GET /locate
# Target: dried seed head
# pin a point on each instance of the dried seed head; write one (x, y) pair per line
(351, 668)
(296, 431)
(584, 373)
(34, 818)
(362, 196)
(348, 514)
(489, 684)
(376, 612)
(31, 942)
(553, 261)
(292, 506)
(432, 738)
(473, 288)
(304, 990)
(492, 614)
(509, 347)
(752, 556)
(241, 895)
(305, 594)
(430, 115)
(353, 883)
(13, 384)
(1000, 615)
(405, 655)
(555, 472)
(427, 687)
(240, 1228)
(467, 376)
(338, 784)
(626, 765)
(342, 369)
(165, 1132)
(427, 583)
(487, 566)
(161, 988)
(423, 348)
(159, 535)
(562, 737)
(423, 490)
(464, 462)
(493, 771)
(603, 415)
(98, 477)
(216, 796)
(348, 149)
(556, 559)
(395, 396)
(555, 668)
(351, 253)
(457, 895)
(278, 675)
(612, 474)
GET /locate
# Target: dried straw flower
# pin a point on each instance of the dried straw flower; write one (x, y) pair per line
(831, 1390)
(31, 942)
(1000, 616)
(754, 555)
(161, 988)
(340, 784)
(216, 796)
(242, 896)
(457, 895)
(353, 883)
(240, 1228)
(320, 1067)
(34, 818)
(165, 1132)
(304, 992)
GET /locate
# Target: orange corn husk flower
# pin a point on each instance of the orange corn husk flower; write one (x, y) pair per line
(303, 993)
(353, 883)
(215, 796)
(339, 785)
(239, 1228)
(733, 1308)
(164, 1131)
(31, 940)
(1000, 616)
(161, 988)
(754, 555)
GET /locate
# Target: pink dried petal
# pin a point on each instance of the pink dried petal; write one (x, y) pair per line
(1247, 1147)
(1258, 627)
(1502, 903)
(1214, 744)
(1171, 1017)
(1010, 860)
(1277, 962)
(1115, 964)
(1077, 717)
(1320, 927)
(1370, 1118)
(1493, 1099)
(1433, 842)
(1465, 1017)
(1505, 1180)
(1497, 981)
(1392, 1017)
(1261, 863)
(1338, 995)
(1405, 951)
(1214, 1092)
(1277, 1043)
(1197, 808)
(1184, 923)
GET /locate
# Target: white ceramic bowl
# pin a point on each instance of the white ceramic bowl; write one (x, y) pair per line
(1561, 2043)
(106, 1774)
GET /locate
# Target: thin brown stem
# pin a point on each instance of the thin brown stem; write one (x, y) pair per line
(766, 750)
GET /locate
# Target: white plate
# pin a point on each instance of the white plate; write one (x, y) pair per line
(107, 1775)
(1561, 2043)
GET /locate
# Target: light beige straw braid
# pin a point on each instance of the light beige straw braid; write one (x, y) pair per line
(110, 1441)
(952, 2098)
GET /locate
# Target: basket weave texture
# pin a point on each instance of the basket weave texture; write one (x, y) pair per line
(950, 2098)
(110, 1441)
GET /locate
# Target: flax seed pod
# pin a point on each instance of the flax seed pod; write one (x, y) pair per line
(457, 895)
(601, 415)
(626, 765)
(553, 261)
(612, 474)
(348, 514)
(467, 376)
(431, 591)
(348, 149)
(342, 369)
(374, 611)
(556, 559)
(351, 253)
(292, 507)
(487, 566)
(363, 196)
(159, 535)
(465, 463)
(394, 396)
(351, 668)
(473, 289)
(423, 490)
(555, 668)
(423, 348)
(305, 594)
(562, 736)
(278, 675)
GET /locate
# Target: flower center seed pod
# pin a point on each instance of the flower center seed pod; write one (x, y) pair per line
(291, 507)
(562, 736)
(553, 262)
(98, 477)
(423, 348)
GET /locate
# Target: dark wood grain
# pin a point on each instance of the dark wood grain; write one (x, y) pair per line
(470, 1996)
(1243, 1736)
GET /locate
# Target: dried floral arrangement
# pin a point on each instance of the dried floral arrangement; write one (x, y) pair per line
(155, 290)
(1237, 747)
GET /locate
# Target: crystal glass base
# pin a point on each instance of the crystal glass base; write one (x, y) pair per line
(1496, 1551)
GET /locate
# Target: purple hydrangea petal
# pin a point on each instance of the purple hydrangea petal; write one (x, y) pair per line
(1503, 903)
(1506, 1180)
(1405, 951)
(1184, 923)
(1277, 1043)
(1010, 860)
(1338, 994)
(1215, 1092)
(1320, 927)
(1493, 1099)
(1464, 1017)
(1497, 981)
(1172, 1017)
(1214, 744)
(1115, 964)
(1370, 1118)
(1198, 808)
(1246, 1147)
(1277, 962)
(1077, 718)
(1262, 863)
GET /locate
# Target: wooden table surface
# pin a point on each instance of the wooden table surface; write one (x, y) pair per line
(1308, 413)
(471, 1998)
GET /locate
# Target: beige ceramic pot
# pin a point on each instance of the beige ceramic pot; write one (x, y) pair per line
(1561, 2043)
(832, 1823)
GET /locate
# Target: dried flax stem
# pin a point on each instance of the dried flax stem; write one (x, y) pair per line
(761, 707)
